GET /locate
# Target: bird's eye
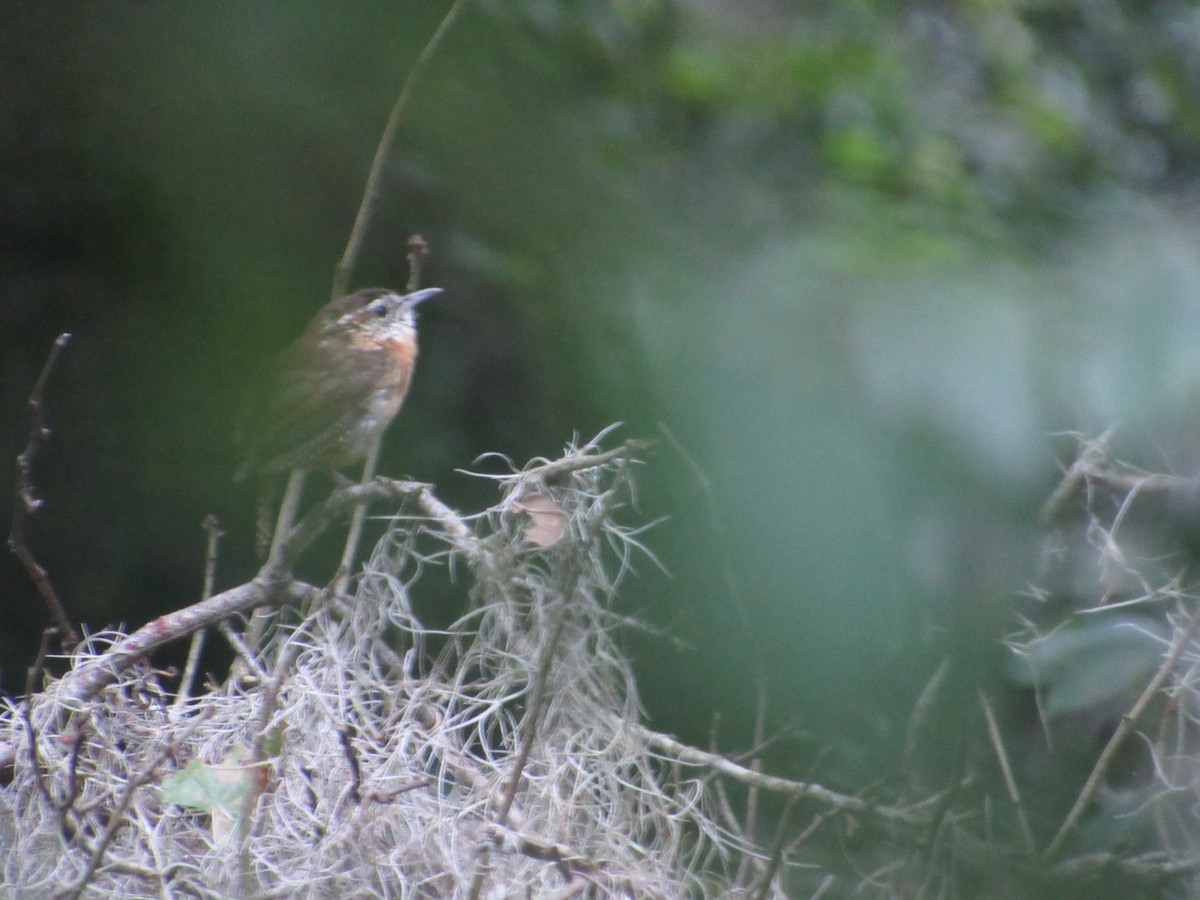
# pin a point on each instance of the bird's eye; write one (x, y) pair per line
(380, 310)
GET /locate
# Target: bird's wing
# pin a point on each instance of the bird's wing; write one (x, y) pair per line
(304, 405)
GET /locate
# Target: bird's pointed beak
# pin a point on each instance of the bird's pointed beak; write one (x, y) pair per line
(421, 296)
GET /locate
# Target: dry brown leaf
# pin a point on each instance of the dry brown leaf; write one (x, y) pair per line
(547, 521)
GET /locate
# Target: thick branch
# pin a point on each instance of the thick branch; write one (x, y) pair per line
(271, 586)
(93, 676)
(342, 501)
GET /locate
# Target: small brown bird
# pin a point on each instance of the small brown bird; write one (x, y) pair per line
(338, 387)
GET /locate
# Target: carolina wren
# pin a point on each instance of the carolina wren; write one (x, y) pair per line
(338, 387)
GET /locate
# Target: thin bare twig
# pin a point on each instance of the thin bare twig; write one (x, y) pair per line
(751, 825)
(38, 669)
(1089, 456)
(288, 508)
(213, 528)
(826, 883)
(357, 518)
(763, 888)
(537, 705)
(418, 249)
(1010, 783)
(1091, 468)
(547, 470)
(235, 641)
(28, 502)
(345, 266)
(922, 711)
(346, 739)
(693, 756)
(1149, 865)
(257, 761)
(343, 500)
(33, 676)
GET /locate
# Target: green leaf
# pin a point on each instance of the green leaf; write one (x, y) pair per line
(1091, 661)
(208, 788)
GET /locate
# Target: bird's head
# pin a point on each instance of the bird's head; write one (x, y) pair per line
(373, 315)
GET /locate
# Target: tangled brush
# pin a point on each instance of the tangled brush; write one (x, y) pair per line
(367, 755)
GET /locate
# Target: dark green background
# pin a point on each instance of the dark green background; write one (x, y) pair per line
(865, 262)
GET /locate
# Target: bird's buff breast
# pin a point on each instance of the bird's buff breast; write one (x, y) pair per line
(404, 354)
(401, 352)
(385, 401)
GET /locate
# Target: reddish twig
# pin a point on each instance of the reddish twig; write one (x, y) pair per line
(95, 675)
(28, 502)
(418, 249)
